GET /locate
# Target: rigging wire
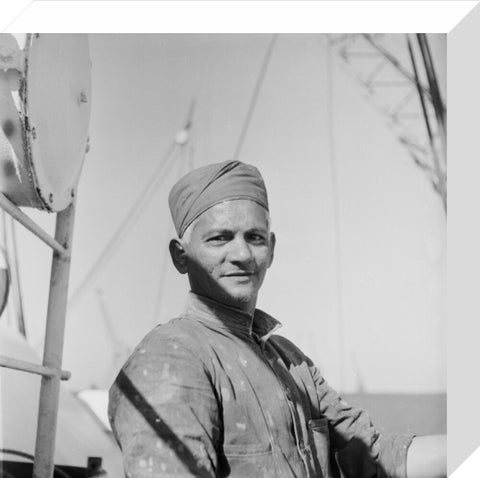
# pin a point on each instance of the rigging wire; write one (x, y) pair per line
(336, 215)
(188, 160)
(440, 184)
(134, 213)
(437, 101)
(256, 91)
(155, 181)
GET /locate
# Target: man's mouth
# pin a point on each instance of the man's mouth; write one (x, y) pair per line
(239, 274)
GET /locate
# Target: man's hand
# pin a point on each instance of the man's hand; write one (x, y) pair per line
(427, 457)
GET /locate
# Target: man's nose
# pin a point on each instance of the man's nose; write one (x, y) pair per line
(240, 251)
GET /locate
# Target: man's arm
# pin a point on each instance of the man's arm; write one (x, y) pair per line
(360, 450)
(164, 413)
(358, 442)
(427, 457)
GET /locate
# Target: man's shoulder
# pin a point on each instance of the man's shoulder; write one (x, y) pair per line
(175, 345)
(168, 354)
(180, 328)
(177, 335)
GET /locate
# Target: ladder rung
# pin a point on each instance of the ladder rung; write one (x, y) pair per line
(23, 219)
(30, 367)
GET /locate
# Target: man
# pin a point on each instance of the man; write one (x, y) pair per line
(214, 392)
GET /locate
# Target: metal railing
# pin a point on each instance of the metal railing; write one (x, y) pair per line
(51, 368)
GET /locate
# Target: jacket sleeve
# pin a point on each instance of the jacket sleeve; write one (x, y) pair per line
(361, 451)
(163, 411)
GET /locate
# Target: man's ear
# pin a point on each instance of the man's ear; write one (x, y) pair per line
(273, 241)
(178, 255)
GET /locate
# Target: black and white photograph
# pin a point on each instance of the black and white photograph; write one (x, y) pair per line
(223, 255)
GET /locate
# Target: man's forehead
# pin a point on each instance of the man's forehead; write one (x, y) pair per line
(242, 213)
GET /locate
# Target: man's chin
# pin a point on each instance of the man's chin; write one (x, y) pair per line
(240, 299)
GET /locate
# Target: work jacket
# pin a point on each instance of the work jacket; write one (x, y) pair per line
(215, 393)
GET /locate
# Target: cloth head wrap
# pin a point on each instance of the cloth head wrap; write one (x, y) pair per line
(204, 187)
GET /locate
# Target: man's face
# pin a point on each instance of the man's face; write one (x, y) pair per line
(228, 253)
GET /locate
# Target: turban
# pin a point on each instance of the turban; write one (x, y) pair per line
(204, 187)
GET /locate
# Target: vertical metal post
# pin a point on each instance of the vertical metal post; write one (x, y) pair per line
(15, 282)
(437, 101)
(53, 348)
(442, 187)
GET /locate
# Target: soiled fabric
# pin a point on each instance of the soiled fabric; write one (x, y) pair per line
(213, 393)
(204, 187)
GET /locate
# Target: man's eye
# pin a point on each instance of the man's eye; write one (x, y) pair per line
(218, 238)
(257, 238)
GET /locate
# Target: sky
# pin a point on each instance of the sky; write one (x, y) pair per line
(387, 264)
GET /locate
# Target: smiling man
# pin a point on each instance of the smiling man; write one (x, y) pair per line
(214, 392)
(230, 248)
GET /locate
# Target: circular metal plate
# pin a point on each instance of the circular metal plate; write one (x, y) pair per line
(45, 98)
(57, 102)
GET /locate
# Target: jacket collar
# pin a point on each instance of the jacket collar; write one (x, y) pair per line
(220, 316)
